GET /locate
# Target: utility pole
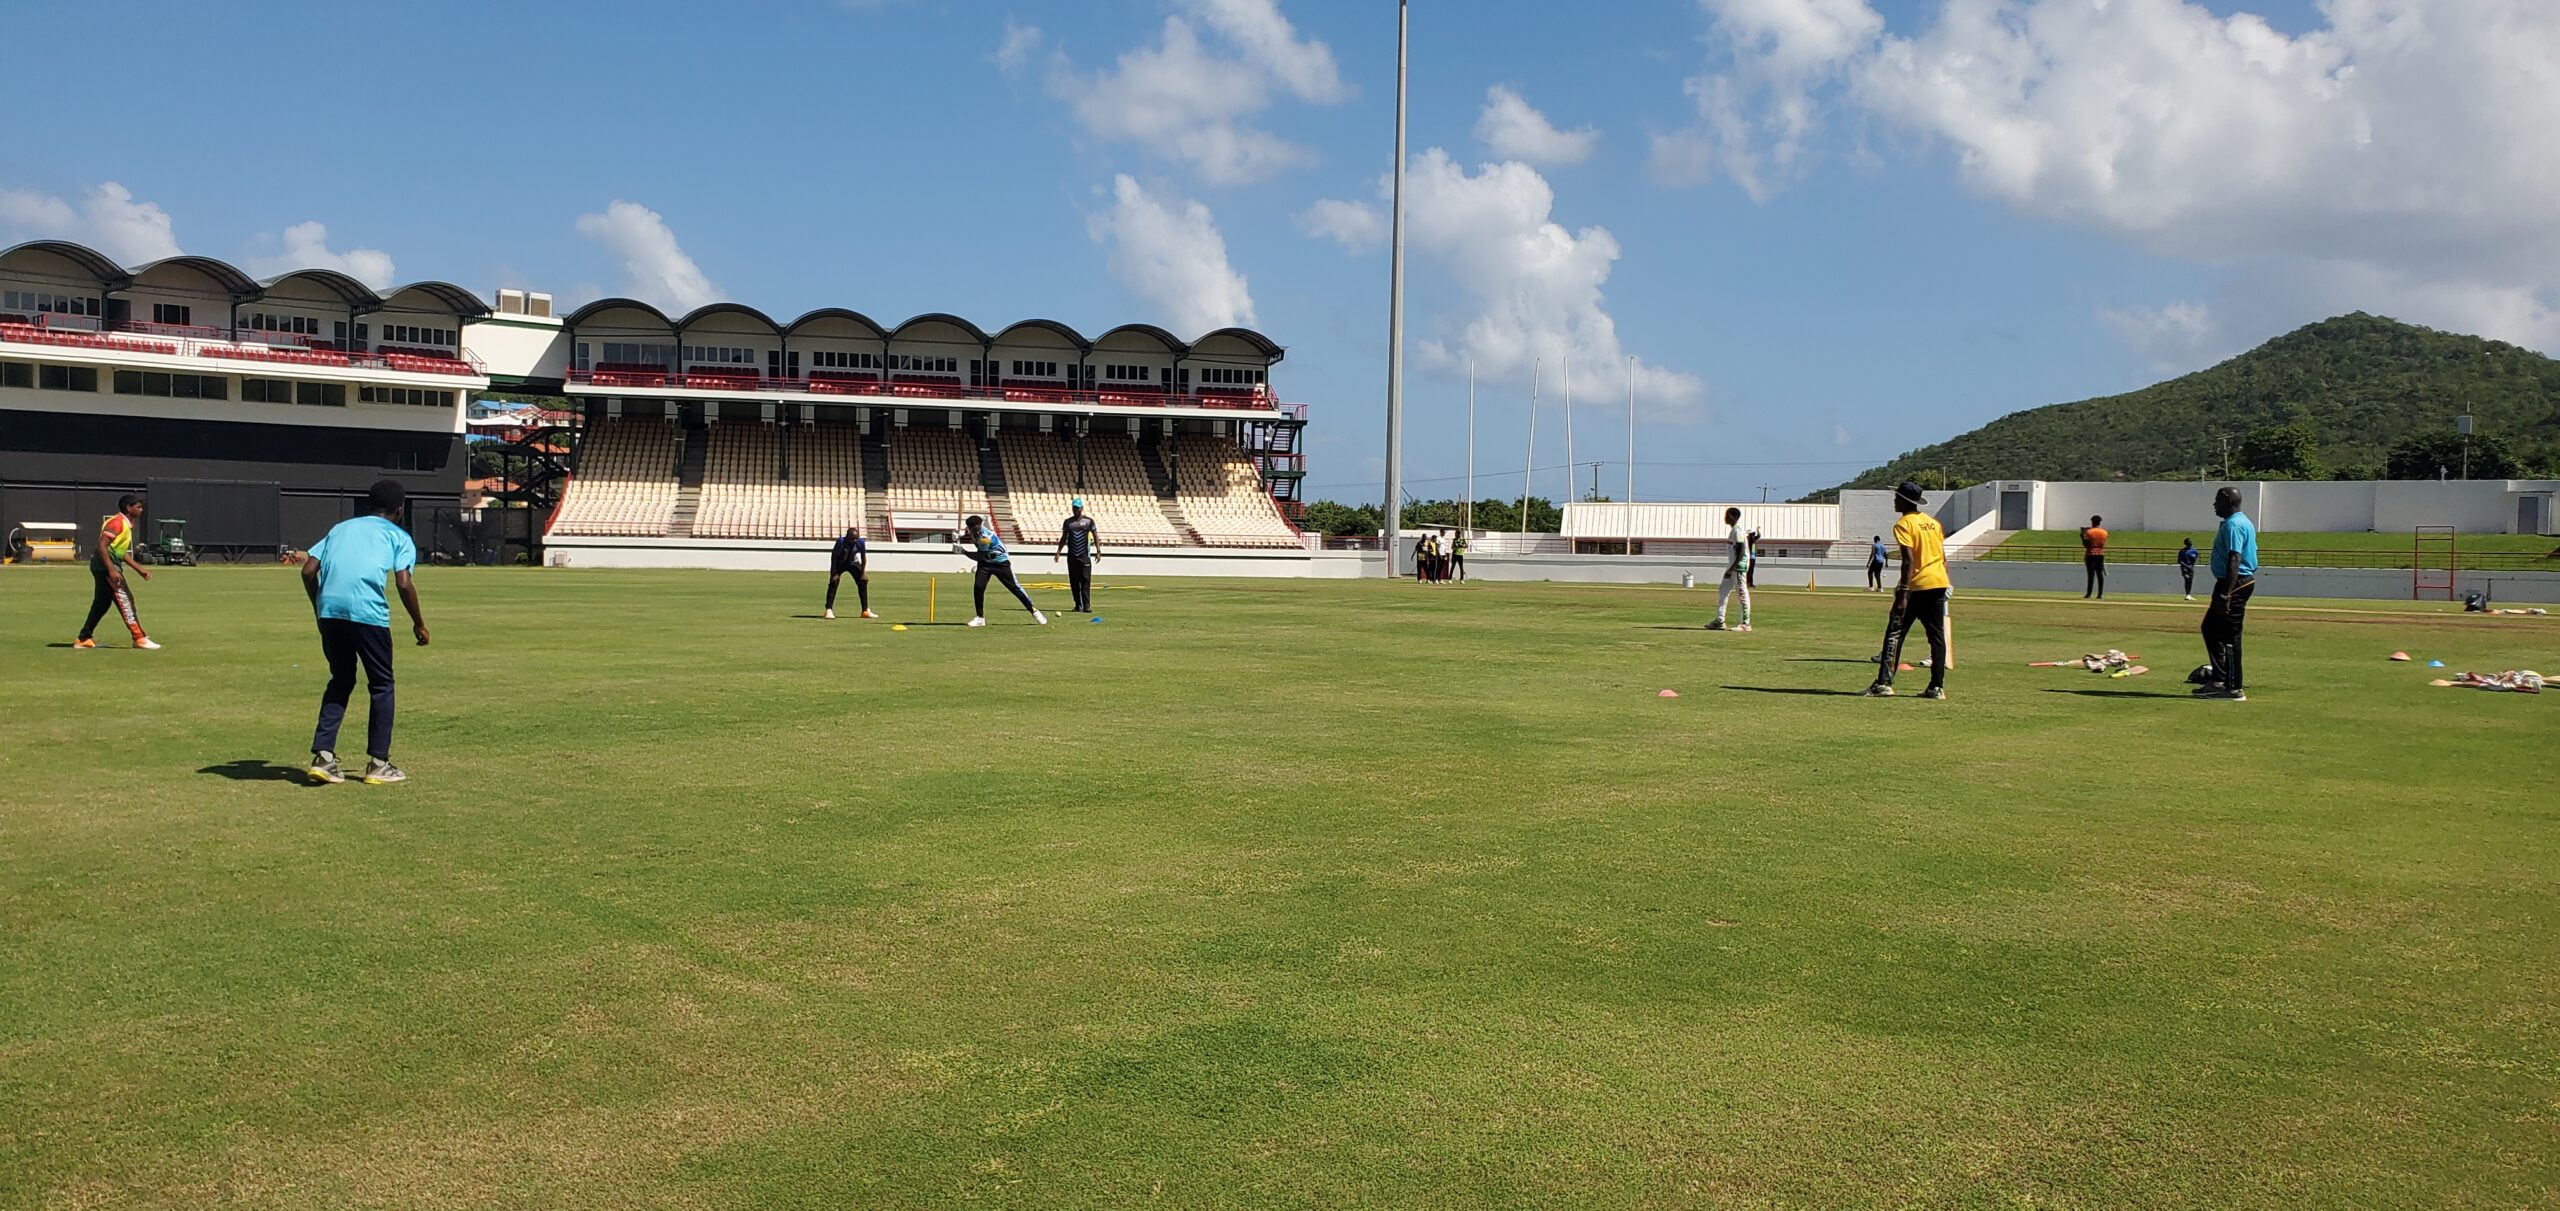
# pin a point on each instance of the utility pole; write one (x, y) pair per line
(1526, 476)
(1764, 492)
(2463, 423)
(1471, 448)
(1394, 528)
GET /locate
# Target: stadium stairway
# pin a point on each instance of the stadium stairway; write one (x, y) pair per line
(1151, 456)
(875, 487)
(999, 502)
(690, 466)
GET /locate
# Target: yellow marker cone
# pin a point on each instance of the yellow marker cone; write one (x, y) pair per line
(932, 584)
(1809, 581)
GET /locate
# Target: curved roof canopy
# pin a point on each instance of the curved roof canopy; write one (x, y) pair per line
(708, 310)
(1172, 343)
(938, 317)
(837, 313)
(90, 260)
(349, 291)
(221, 272)
(600, 306)
(1061, 331)
(446, 294)
(1261, 344)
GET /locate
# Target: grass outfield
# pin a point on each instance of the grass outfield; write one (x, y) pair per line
(2362, 550)
(1269, 895)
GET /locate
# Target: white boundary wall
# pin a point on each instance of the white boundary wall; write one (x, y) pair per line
(2479, 506)
(1031, 562)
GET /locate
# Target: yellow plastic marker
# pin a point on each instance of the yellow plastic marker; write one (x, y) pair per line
(898, 626)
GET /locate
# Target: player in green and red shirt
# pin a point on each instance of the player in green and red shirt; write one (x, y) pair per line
(115, 545)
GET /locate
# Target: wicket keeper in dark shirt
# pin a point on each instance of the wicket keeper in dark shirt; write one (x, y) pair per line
(850, 559)
(1080, 543)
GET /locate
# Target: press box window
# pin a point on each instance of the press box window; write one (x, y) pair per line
(175, 314)
(67, 378)
(171, 386)
(266, 390)
(17, 374)
(321, 395)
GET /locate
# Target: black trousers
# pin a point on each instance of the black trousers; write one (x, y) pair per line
(1003, 572)
(2223, 620)
(348, 644)
(1927, 607)
(861, 583)
(1458, 564)
(1875, 574)
(1080, 583)
(2187, 573)
(104, 595)
(2097, 565)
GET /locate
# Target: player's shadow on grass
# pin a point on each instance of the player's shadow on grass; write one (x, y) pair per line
(255, 771)
(1801, 690)
(2116, 693)
(1831, 660)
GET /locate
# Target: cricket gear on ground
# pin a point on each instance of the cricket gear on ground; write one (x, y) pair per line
(1924, 552)
(357, 560)
(324, 769)
(2224, 619)
(978, 621)
(378, 772)
(83, 645)
(1928, 609)
(348, 645)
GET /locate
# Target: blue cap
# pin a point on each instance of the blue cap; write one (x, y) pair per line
(1077, 503)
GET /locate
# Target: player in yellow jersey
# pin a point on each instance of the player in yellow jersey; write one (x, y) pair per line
(1920, 598)
(115, 546)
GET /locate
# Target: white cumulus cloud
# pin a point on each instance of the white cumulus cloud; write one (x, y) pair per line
(1170, 255)
(1019, 44)
(1188, 101)
(107, 218)
(306, 246)
(1533, 288)
(2397, 158)
(1357, 226)
(1515, 130)
(655, 268)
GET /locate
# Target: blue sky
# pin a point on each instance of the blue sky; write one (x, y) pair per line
(1838, 234)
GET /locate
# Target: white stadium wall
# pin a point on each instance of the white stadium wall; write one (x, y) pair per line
(519, 347)
(1701, 522)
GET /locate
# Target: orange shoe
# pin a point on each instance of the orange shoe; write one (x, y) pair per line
(82, 645)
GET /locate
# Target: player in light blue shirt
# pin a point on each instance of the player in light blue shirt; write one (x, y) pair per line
(345, 575)
(2235, 578)
(980, 543)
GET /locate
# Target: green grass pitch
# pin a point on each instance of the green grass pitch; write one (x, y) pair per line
(2507, 552)
(1269, 895)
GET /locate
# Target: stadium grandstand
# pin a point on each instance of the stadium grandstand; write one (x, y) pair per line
(725, 427)
(260, 409)
(256, 410)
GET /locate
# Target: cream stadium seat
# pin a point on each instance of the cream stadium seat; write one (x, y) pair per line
(934, 472)
(626, 481)
(1225, 499)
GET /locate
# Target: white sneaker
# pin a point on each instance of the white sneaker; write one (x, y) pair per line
(1039, 619)
(977, 622)
(145, 644)
(866, 614)
(831, 615)
(2191, 597)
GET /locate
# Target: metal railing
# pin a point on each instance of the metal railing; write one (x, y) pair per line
(748, 379)
(2285, 557)
(244, 344)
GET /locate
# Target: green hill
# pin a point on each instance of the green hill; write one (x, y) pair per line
(2330, 400)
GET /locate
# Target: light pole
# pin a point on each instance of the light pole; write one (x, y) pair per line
(1394, 528)
(2463, 425)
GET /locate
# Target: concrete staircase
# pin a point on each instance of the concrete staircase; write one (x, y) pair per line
(1151, 457)
(999, 499)
(875, 488)
(690, 465)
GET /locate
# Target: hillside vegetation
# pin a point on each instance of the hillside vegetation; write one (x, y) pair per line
(2354, 397)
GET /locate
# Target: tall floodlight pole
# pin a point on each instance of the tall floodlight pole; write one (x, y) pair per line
(1532, 470)
(1394, 509)
(1568, 446)
(1471, 448)
(1631, 456)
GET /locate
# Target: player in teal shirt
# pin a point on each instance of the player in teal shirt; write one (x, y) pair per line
(2235, 578)
(980, 543)
(345, 575)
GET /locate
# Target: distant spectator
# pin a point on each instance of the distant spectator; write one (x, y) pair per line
(1875, 563)
(2093, 554)
(2187, 567)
